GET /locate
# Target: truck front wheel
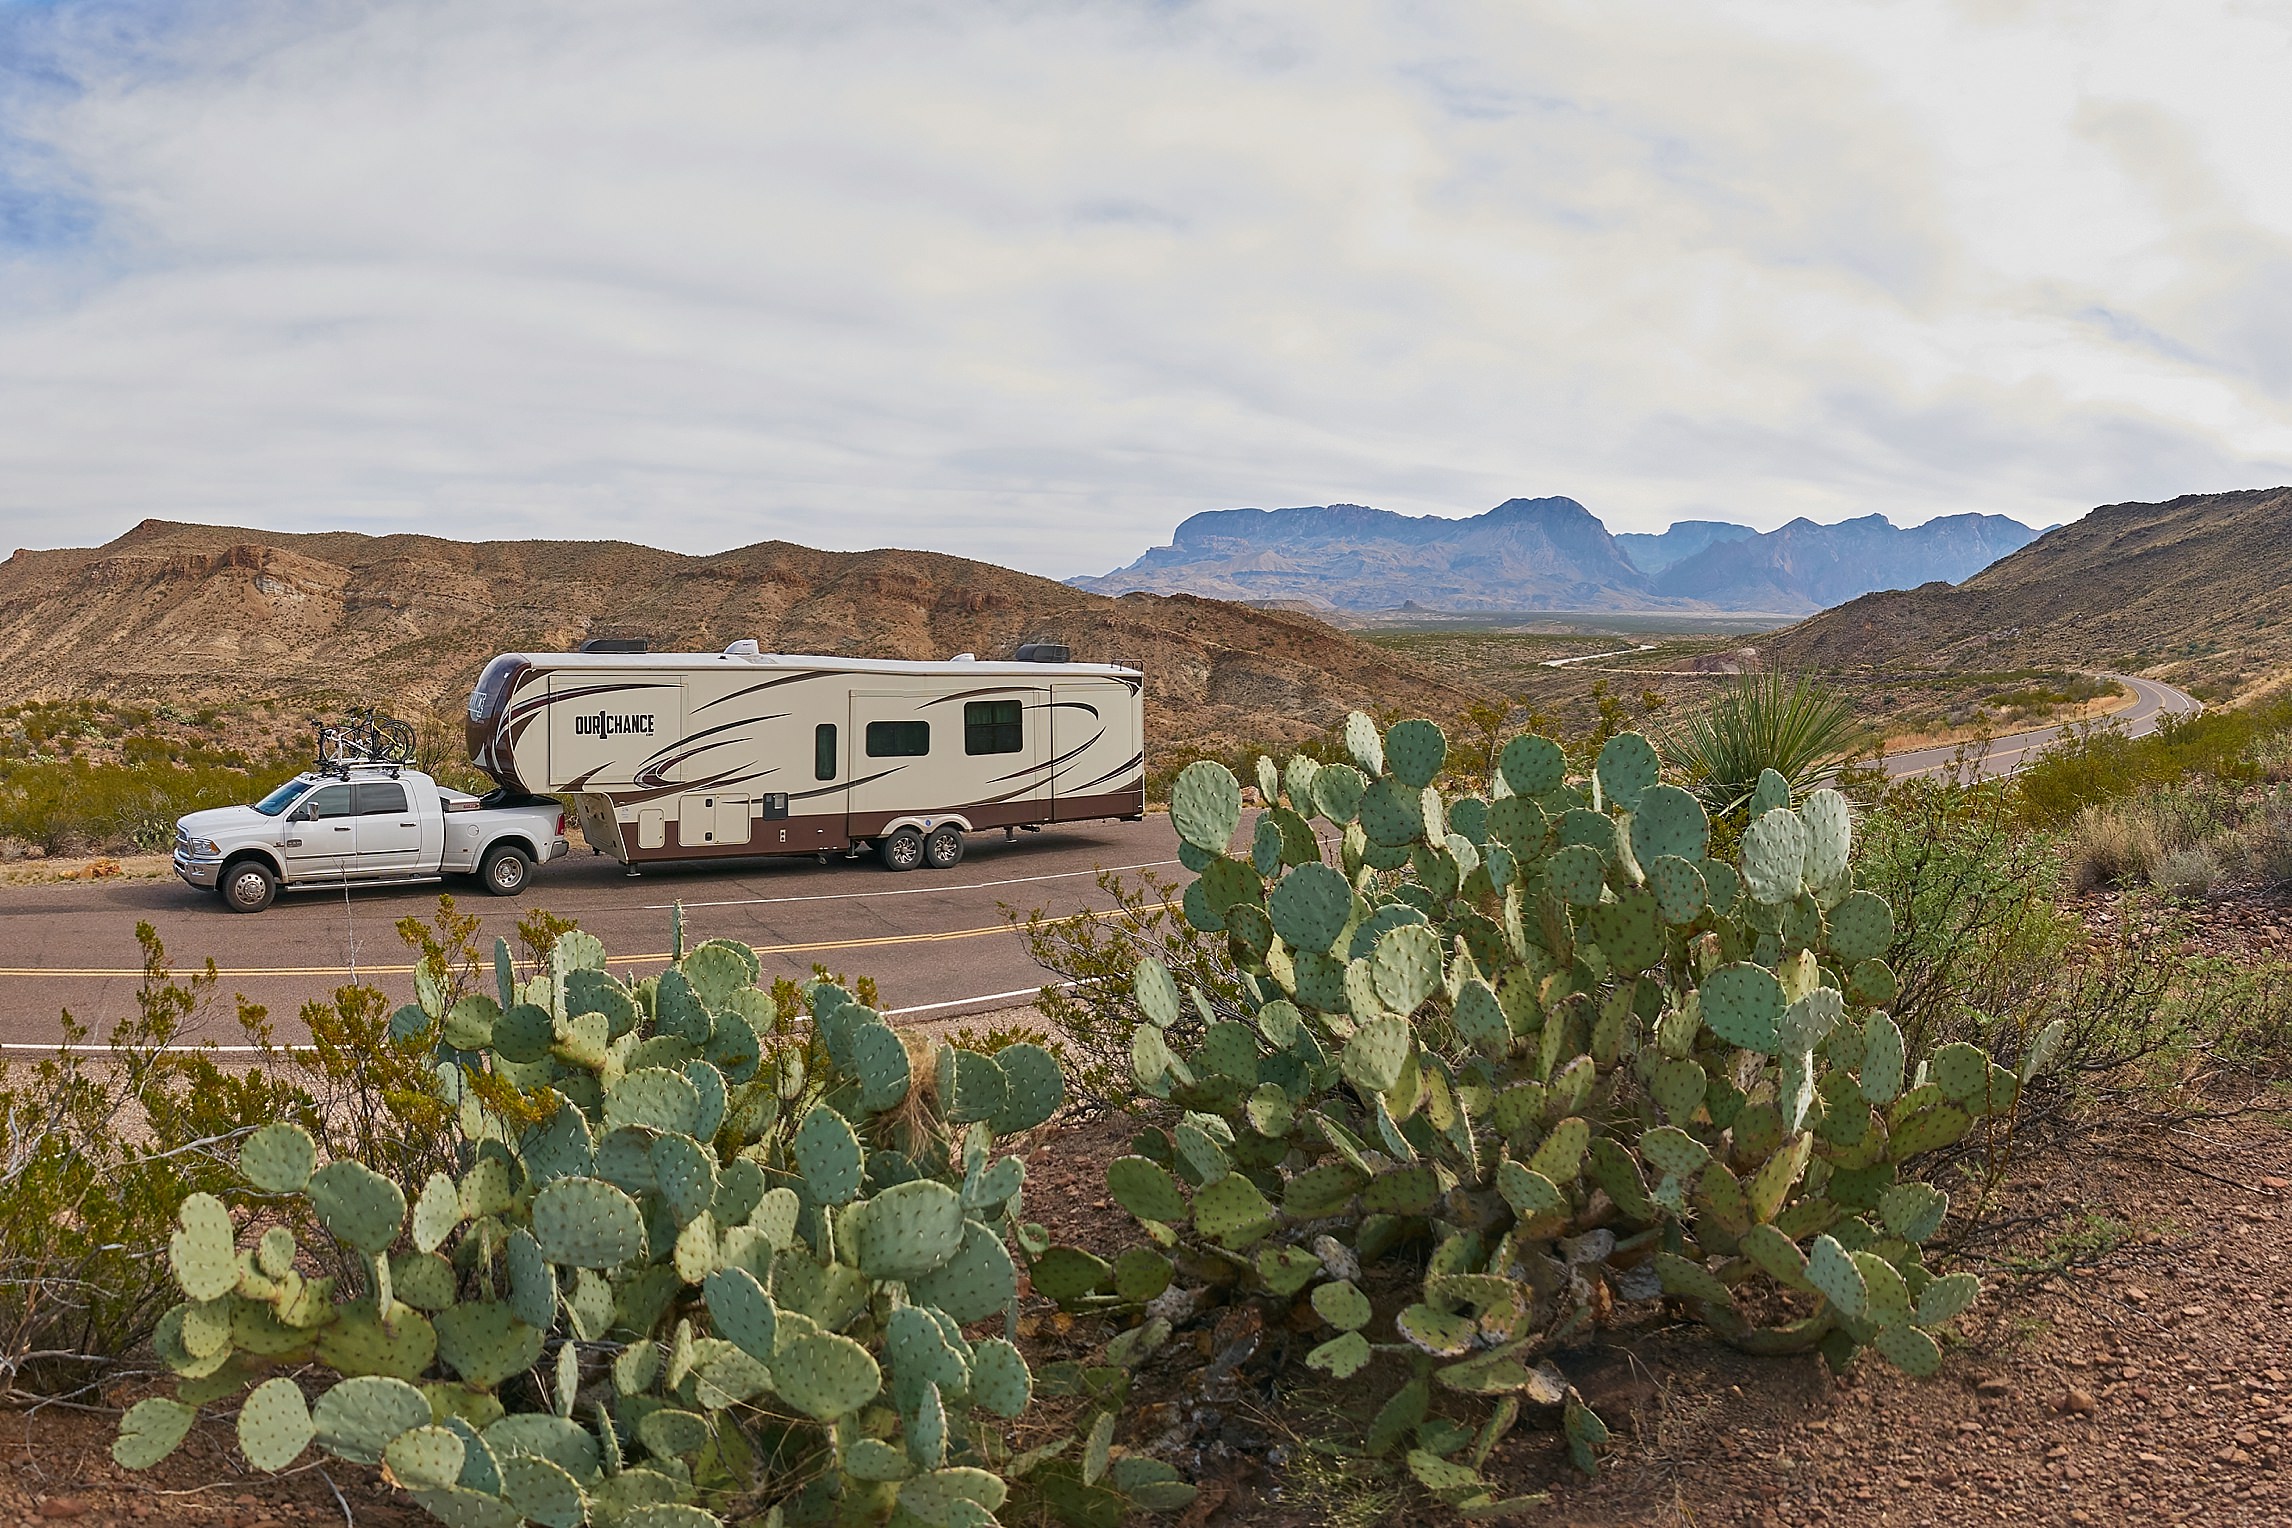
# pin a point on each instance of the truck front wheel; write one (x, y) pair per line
(248, 886)
(504, 870)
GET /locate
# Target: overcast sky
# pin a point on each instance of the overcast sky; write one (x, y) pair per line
(1033, 282)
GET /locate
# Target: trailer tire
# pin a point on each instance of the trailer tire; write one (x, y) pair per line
(943, 850)
(902, 850)
(247, 886)
(504, 870)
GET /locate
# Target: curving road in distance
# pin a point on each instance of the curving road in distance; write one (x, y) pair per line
(2152, 702)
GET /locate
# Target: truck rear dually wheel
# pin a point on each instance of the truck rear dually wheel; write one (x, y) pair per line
(248, 886)
(902, 850)
(504, 870)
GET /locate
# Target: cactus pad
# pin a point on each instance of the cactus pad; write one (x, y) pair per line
(654, 1098)
(908, 1230)
(1909, 1349)
(1829, 829)
(203, 1251)
(971, 1086)
(524, 1034)
(358, 1206)
(274, 1425)
(1668, 820)
(587, 1223)
(358, 1417)
(485, 1343)
(684, 1174)
(1680, 894)
(1000, 1379)
(278, 1158)
(150, 1431)
(1960, 1070)
(1743, 1005)
(1532, 766)
(977, 1281)
(1628, 930)
(539, 1490)
(425, 1458)
(1834, 1273)
(1034, 1088)
(1414, 752)
(1146, 1189)
(828, 1155)
(715, 971)
(1391, 814)
(1310, 907)
(1406, 966)
(1774, 857)
(1882, 1059)
(1373, 1058)
(1205, 805)
(1342, 1305)
(825, 1375)
(1233, 1213)
(1860, 927)
(1576, 873)
(879, 1061)
(1627, 768)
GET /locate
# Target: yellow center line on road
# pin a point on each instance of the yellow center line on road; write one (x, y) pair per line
(876, 942)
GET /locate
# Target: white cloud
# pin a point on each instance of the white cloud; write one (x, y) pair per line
(1031, 282)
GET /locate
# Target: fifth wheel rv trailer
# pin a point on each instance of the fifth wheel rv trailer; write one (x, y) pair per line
(685, 756)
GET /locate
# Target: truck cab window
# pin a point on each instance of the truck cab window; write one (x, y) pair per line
(993, 726)
(378, 798)
(898, 740)
(326, 801)
(824, 751)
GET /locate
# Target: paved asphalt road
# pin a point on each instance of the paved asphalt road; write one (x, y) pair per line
(2151, 703)
(934, 941)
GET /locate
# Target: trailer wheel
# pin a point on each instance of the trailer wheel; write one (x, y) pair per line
(503, 870)
(248, 886)
(902, 850)
(943, 850)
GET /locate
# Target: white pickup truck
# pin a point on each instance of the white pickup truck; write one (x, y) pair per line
(365, 825)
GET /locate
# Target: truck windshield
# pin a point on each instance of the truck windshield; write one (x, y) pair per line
(282, 798)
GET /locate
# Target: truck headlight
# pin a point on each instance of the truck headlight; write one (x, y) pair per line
(206, 846)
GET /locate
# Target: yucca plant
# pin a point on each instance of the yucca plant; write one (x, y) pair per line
(1795, 725)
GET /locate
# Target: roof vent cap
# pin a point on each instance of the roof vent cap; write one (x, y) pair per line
(744, 648)
(964, 658)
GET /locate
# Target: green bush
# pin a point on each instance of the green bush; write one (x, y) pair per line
(97, 1146)
(692, 1256)
(1527, 1055)
(1766, 720)
(2099, 763)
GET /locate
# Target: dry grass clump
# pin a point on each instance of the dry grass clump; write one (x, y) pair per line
(2112, 846)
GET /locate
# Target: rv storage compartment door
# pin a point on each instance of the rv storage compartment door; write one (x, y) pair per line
(705, 820)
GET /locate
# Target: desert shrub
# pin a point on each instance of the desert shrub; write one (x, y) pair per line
(2188, 872)
(1793, 725)
(98, 1143)
(1519, 1058)
(2267, 844)
(693, 1256)
(2098, 763)
(1093, 959)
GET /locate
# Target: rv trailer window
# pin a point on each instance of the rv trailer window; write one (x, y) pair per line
(824, 751)
(898, 740)
(992, 726)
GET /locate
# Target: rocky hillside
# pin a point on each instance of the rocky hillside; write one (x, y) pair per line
(202, 615)
(1550, 554)
(2200, 588)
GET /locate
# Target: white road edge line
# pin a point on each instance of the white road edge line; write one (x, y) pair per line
(889, 1013)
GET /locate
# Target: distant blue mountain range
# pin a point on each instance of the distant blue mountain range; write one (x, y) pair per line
(1552, 554)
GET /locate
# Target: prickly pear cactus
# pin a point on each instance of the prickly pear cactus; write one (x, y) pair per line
(688, 1223)
(1533, 1054)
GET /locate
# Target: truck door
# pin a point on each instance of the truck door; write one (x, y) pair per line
(319, 841)
(895, 756)
(385, 833)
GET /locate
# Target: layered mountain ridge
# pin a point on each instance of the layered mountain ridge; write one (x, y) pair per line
(1550, 554)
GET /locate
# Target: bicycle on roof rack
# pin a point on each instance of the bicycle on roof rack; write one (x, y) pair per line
(364, 737)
